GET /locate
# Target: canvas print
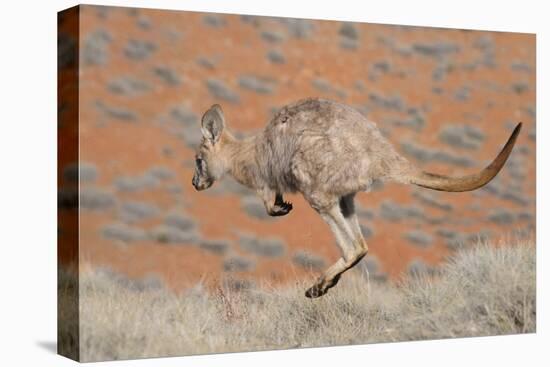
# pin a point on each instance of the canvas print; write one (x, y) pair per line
(233, 183)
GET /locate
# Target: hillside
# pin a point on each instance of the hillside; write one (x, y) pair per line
(447, 99)
(484, 290)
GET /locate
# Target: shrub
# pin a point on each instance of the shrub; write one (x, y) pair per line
(133, 211)
(123, 232)
(255, 208)
(482, 290)
(171, 235)
(128, 86)
(167, 75)
(237, 263)
(139, 50)
(92, 198)
(419, 238)
(220, 90)
(269, 247)
(256, 84)
(308, 261)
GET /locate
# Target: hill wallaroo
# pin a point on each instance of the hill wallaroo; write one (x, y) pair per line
(328, 152)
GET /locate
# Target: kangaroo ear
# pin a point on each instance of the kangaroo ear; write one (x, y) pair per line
(213, 123)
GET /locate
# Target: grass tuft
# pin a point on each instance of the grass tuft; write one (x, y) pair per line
(482, 290)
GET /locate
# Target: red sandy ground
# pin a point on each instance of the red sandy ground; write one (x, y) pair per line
(118, 148)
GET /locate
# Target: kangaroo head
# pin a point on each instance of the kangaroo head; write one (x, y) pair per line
(210, 160)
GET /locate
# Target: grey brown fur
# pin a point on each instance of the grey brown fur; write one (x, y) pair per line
(328, 152)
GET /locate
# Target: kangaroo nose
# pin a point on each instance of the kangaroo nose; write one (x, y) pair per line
(194, 181)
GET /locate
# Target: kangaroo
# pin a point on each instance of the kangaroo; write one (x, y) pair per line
(328, 152)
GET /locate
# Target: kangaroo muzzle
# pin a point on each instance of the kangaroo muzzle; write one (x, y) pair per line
(201, 184)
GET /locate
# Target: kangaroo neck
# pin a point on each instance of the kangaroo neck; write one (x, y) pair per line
(243, 165)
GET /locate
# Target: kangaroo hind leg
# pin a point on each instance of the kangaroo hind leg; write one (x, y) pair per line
(345, 227)
(347, 207)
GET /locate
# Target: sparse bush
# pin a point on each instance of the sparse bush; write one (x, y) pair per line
(253, 207)
(136, 183)
(133, 211)
(128, 86)
(236, 285)
(237, 263)
(462, 136)
(272, 36)
(394, 102)
(123, 232)
(436, 49)
(276, 57)
(308, 260)
(92, 198)
(214, 20)
(161, 172)
(298, 28)
(322, 85)
(172, 235)
(349, 36)
(415, 122)
(349, 30)
(117, 113)
(219, 247)
(220, 90)
(149, 282)
(394, 212)
(502, 216)
(423, 154)
(366, 230)
(139, 50)
(457, 241)
(371, 269)
(521, 66)
(520, 87)
(68, 328)
(184, 116)
(66, 51)
(462, 94)
(382, 66)
(167, 75)
(179, 221)
(186, 122)
(418, 268)
(206, 62)
(419, 238)
(269, 247)
(483, 290)
(432, 199)
(143, 22)
(86, 172)
(256, 84)
(95, 47)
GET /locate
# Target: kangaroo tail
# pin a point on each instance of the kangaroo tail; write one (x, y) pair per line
(470, 182)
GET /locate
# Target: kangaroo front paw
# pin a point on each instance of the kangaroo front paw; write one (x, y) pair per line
(280, 209)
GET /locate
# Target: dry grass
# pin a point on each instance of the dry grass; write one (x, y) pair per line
(484, 290)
